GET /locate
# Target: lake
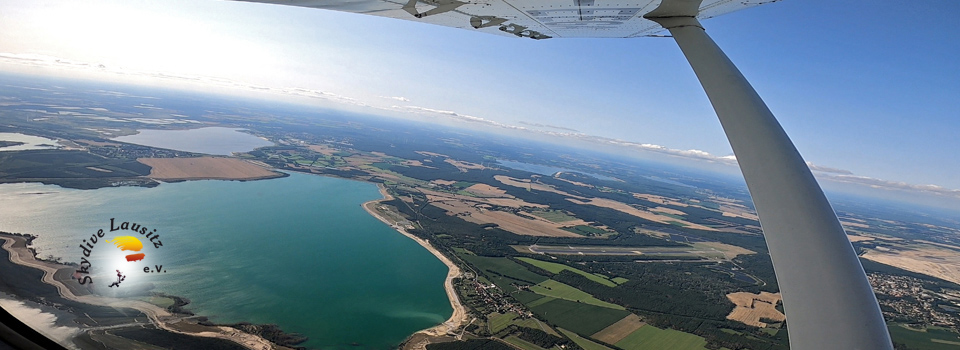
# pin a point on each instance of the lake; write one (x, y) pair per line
(211, 140)
(298, 251)
(29, 142)
(547, 170)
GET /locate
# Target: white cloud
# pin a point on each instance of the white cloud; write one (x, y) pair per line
(539, 125)
(398, 98)
(824, 169)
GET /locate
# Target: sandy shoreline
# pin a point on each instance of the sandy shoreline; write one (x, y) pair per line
(459, 316)
(20, 254)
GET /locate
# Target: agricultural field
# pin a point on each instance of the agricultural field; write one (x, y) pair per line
(587, 230)
(522, 344)
(557, 268)
(578, 317)
(497, 322)
(931, 338)
(752, 308)
(559, 290)
(617, 331)
(504, 267)
(652, 338)
(584, 343)
(554, 216)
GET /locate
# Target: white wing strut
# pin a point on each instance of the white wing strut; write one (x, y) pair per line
(828, 301)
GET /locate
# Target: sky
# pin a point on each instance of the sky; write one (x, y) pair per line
(868, 92)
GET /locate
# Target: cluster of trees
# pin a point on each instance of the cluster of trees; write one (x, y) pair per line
(543, 339)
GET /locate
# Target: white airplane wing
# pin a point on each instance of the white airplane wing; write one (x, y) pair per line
(535, 19)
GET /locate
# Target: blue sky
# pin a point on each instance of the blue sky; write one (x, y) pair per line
(872, 89)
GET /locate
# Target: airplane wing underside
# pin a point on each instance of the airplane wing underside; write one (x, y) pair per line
(535, 19)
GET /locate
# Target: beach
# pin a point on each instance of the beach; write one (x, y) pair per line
(459, 316)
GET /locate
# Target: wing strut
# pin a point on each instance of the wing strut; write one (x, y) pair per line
(828, 301)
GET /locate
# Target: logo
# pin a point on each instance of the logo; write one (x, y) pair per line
(124, 243)
(129, 243)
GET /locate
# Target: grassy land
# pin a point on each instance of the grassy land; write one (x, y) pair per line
(554, 215)
(584, 343)
(504, 267)
(497, 322)
(556, 268)
(540, 301)
(525, 297)
(586, 230)
(463, 184)
(924, 339)
(675, 216)
(578, 317)
(520, 343)
(163, 302)
(462, 251)
(619, 280)
(559, 290)
(653, 338)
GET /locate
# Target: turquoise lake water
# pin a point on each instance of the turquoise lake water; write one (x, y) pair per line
(298, 251)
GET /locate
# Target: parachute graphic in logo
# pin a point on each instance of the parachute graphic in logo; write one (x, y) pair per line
(128, 243)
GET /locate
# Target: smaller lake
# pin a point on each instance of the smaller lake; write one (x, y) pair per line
(668, 181)
(547, 170)
(212, 140)
(29, 142)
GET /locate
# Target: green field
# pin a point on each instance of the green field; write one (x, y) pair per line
(559, 290)
(586, 230)
(525, 297)
(584, 343)
(462, 251)
(520, 343)
(578, 317)
(619, 280)
(463, 184)
(163, 302)
(926, 339)
(554, 216)
(556, 268)
(380, 165)
(504, 267)
(653, 338)
(675, 216)
(539, 302)
(497, 322)
(533, 323)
